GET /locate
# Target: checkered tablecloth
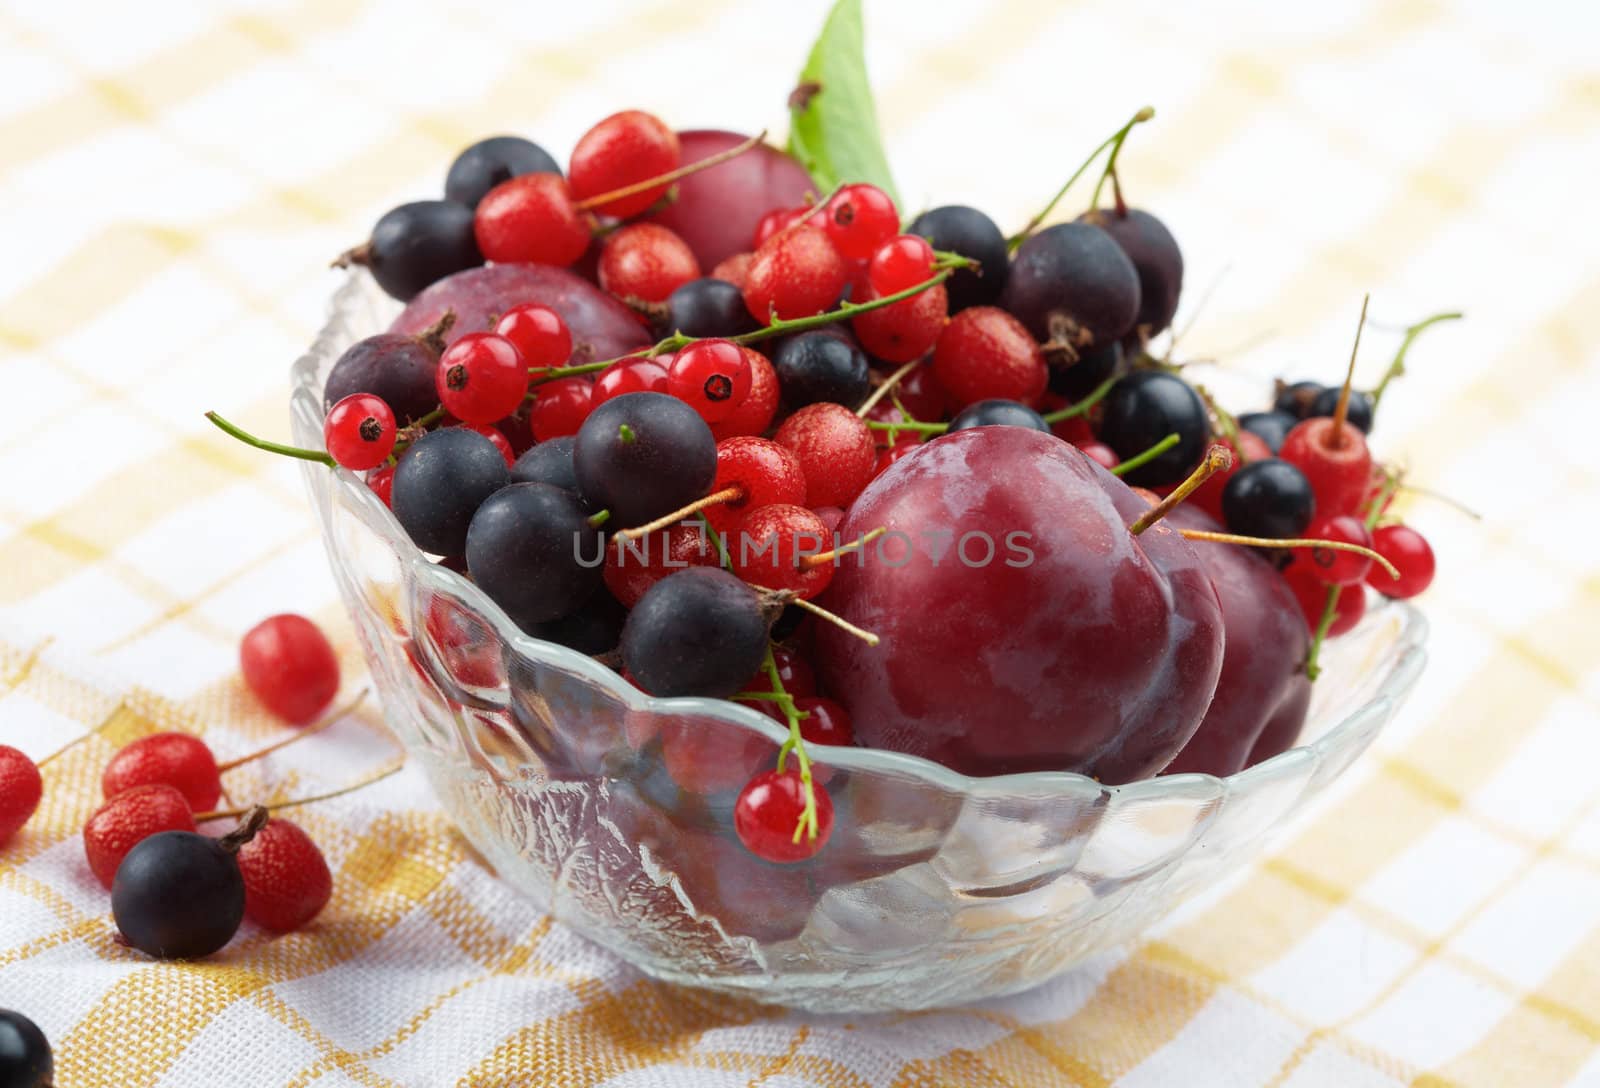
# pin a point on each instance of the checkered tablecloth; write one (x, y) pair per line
(173, 180)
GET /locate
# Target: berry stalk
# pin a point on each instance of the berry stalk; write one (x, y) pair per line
(279, 806)
(1072, 411)
(1343, 408)
(320, 456)
(312, 730)
(1114, 140)
(1146, 456)
(670, 176)
(807, 824)
(1217, 459)
(1320, 635)
(1397, 366)
(1289, 542)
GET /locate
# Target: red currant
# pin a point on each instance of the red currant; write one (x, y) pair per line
(774, 221)
(755, 412)
(538, 332)
(766, 472)
(1336, 464)
(984, 353)
(836, 452)
(21, 787)
(290, 665)
(794, 274)
(1336, 568)
(128, 819)
(286, 879)
(827, 722)
(482, 378)
(713, 376)
(734, 270)
(770, 544)
(629, 376)
(531, 218)
(501, 442)
(1313, 597)
(622, 150)
(1248, 447)
(860, 218)
(900, 263)
(646, 261)
(1411, 555)
(710, 759)
(560, 408)
(1101, 454)
(769, 810)
(381, 480)
(795, 673)
(891, 454)
(359, 432)
(904, 330)
(180, 760)
(921, 394)
(632, 567)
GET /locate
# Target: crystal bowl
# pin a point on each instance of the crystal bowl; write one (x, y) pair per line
(935, 889)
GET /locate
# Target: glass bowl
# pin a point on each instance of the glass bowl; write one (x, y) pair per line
(936, 889)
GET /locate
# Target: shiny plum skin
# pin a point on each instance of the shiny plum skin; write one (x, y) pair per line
(602, 327)
(1263, 692)
(717, 210)
(1100, 655)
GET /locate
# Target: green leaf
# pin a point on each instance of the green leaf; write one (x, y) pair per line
(834, 133)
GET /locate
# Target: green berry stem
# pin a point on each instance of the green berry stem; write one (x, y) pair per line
(1329, 610)
(716, 541)
(1071, 411)
(907, 425)
(1147, 456)
(1110, 170)
(1227, 422)
(807, 824)
(599, 518)
(320, 456)
(1398, 366)
(1113, 141)
(1391, 484)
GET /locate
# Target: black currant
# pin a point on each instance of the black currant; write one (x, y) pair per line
(998, 412)
(697, 632)
(1271, 427)
(1077, 379)
(550, 462)
(531, 548)
(642, 455)
(1358, 412)
(1155, 256)
(399, 369)
(956, 228)
(596, 628)
(1269, 498)
(179, 895)
(1071, 285)
(708, 307)
(439, 484)
(1297, 399)
(1141, 410)
(489, 162)
(420, 243)
(25, 1057)
(817, 366)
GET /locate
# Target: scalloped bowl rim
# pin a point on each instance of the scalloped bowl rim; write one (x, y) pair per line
(1409, 657)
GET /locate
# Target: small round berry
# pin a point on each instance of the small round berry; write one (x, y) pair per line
(643, 455)
(633, 566)
(696, 632)
(420, 243)
(286, 878)
(1412, 556)
(1246, 448)
(821, 366)
(983, 354)
(1337, 463)
(646, 261)
(525, 549)
(1271, 427)
(794, 274)
(1296, 399)
(489, 162)
(826, 721)
(1142, 409)
(1071, 285)
(179, 760)
(1313, 597)
(1155, 256)
(771, 542)
(1076, 378)
(1331, 567)
(501, 442)
(179, 895)
(755, 413)
(1358, 411)
(998, 413)
(763, 471)
(774, 221)
(835, 449)
(128, 819)
(547, 463)
(708, 307)
(794, 671)
(1268, 498)
(622, 150)
(638, 375)
(359, 432)
(538, 333)
(560, 407)
(482, 378)
(734, 270)
(381, 480)
(712, 376)
(905, 330)
(1101, 454)
(922, 395)
(768, 813)
(859, 219)
(290, 665)
(396, 368)
(531, 218)
(25, 1057)
(711, 760)
(899, 264)
(21, 787)
(967, 231)
(440, 481)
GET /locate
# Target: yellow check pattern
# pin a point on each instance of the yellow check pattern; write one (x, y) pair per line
(173, 178)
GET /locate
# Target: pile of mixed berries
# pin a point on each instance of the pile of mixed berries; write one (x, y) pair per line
(678, 410)
(177, 893)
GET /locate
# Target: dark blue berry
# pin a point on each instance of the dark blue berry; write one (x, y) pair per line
(1269, 498)
(420, 243)
(25, 1057)
(697, 632)
(998, 412)
(1358, 413)
(1141, 410)
(642, 455)
(439, 484)
(1070, 284)
(956, 228)
(1271, 427)
(489, 162)
(819, 366)
(708, 307)
(531, 548)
